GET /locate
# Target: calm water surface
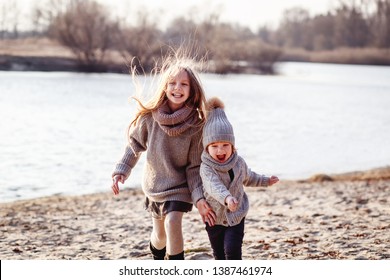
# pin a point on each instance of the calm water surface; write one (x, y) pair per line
(61, 133)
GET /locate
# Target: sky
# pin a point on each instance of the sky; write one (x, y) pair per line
(250, 13)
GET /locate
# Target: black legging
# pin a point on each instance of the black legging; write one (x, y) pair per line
(226, 242)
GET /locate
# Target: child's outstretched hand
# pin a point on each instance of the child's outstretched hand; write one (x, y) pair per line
(115, 180)
(273, 180)
(232, 203)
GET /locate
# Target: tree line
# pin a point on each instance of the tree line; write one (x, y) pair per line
(90, 31)
(355, 24)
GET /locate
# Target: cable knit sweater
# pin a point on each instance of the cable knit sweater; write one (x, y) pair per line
(173, 146)
(218, 185)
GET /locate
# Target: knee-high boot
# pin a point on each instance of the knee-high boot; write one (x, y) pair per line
(156, 253)
(179, 256)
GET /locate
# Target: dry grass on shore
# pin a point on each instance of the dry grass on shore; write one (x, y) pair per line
(364, 56)
(45, 47)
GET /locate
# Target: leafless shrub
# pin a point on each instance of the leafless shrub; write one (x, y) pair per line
(86, 29)
(141, 43)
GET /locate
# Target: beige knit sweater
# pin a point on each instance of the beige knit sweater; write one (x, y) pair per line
(173, 146)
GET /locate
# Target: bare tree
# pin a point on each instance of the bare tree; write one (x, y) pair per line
(381, 24)
(9, 19)
(140, 43)
(44, 13)
(86, 29)
(3, 20)
(181, 29)
(322, 36)
(294, 27)
(351, 29)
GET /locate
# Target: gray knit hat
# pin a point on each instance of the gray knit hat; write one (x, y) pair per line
(217, 127)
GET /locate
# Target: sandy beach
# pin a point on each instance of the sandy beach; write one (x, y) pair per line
(344, 216)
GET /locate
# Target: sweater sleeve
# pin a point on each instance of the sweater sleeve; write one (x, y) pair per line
(136, 145)
(255, 180)
(213, 184)
(192, 170)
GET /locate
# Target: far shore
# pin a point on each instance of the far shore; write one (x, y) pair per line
(342, 216)
(43, 54)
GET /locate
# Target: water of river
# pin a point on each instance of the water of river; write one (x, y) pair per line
(61, 133)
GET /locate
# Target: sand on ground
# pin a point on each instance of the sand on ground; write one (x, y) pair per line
(343, 216)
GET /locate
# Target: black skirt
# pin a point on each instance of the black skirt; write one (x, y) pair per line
(159, 209)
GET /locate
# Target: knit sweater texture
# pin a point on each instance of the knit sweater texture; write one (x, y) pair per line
(173, 145)
(218, 185)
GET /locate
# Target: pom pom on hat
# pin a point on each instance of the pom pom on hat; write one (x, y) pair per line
(217, 127)
(213, 103)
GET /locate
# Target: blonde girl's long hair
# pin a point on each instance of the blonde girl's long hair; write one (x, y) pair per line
(171, 65)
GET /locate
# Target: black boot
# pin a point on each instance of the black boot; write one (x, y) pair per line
(179, 256)
(156, 253)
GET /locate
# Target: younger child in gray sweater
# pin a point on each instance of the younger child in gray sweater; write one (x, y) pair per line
(224, 173)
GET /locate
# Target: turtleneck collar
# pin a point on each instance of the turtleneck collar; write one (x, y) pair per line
(175, 123)
(223, 167)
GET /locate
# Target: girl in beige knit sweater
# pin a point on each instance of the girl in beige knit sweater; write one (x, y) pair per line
(169, 129)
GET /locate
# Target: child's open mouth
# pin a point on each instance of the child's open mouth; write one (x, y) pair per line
(221, 157)
(177, 95)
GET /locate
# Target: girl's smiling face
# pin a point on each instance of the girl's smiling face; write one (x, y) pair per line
(178, 90)
(220, 151)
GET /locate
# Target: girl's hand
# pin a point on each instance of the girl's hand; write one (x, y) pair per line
(232, 203)
(207, 213)
(273, 180)
(115, 180)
